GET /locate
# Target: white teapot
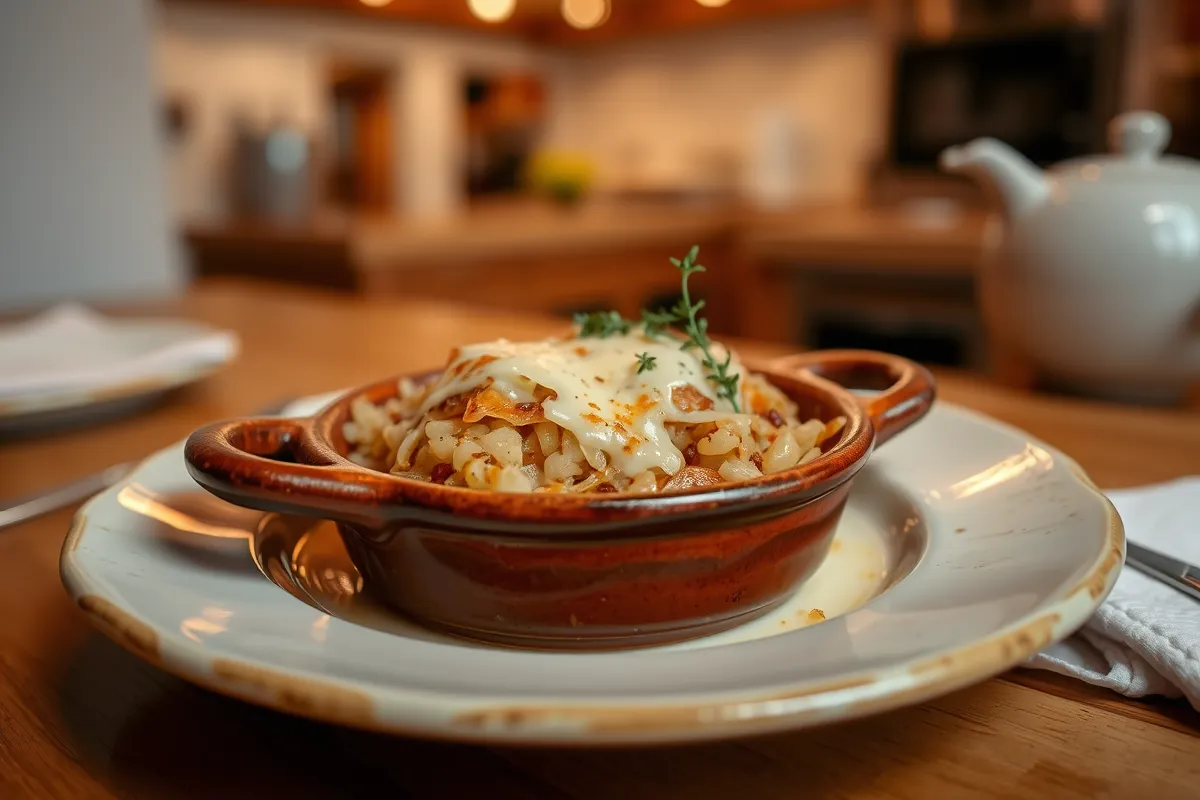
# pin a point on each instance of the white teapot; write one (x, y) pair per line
(1092, 273)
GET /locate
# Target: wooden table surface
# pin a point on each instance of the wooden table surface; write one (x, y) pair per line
(80, 717)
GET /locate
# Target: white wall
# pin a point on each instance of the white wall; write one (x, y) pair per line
(667, 103)
(82, 198)
(274, 63)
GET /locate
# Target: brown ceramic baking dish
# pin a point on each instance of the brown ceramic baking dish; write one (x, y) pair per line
(568, 570)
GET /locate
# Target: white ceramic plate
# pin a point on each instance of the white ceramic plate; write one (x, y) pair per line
(173, 353)
(965, 548)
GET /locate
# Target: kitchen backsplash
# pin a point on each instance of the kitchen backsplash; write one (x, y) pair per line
(271, 66)
(698, 110)
(656, 110)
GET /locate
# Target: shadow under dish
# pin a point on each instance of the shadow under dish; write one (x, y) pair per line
(874, 548)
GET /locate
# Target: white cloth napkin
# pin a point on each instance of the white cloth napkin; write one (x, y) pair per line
(1145, 638)
(70, 347)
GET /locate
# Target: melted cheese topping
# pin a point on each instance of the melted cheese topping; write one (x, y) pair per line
(598, 394)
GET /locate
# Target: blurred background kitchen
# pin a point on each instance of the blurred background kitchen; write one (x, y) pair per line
(550, 155)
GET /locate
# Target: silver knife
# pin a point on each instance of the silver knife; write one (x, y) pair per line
(47, 500)
(1177, 574)
(23, 509)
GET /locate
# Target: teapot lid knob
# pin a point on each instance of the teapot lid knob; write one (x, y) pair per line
(1141, 135)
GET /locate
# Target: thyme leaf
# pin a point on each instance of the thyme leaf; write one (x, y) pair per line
(645, 362)
(684, 316)
(601, 324)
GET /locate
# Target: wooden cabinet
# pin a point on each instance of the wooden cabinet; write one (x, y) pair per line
(638, 18)
(542, 21)
(525, 259)
(557, 261)
(304, 254)
(623, 279)
(857, 277)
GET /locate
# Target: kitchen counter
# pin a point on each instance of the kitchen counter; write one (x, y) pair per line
(551, 260)
(857, 237)
(521, 255)
(534, 231)
(900, 279)
(847, 234)
(536, 257)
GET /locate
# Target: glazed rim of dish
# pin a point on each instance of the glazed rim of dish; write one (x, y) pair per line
(282, 464)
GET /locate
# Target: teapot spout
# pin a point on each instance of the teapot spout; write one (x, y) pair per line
(1019, 183)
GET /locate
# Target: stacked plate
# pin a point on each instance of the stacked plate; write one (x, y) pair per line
(70, 365)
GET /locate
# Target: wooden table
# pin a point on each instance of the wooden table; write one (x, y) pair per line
(80, 717)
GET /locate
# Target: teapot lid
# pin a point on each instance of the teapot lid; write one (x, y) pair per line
(1137, 139)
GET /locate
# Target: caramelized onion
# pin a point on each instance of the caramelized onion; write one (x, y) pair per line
(688, 398)
(692, 478)
(490, 403)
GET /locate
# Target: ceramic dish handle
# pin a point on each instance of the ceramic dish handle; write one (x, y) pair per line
(902, 391)
(275, 465)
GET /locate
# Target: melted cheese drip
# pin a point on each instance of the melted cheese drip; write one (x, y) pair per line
(600, 397)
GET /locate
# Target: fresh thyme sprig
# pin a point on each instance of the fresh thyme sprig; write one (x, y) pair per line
(601, 324)
(683, 315)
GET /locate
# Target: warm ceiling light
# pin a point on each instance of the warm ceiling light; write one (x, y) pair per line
(375, 3)
(713, 3)
(584, 14)
(492, 10)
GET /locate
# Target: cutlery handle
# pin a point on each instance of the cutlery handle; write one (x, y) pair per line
(43, 502)
(1179, 575)
(35, 505)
